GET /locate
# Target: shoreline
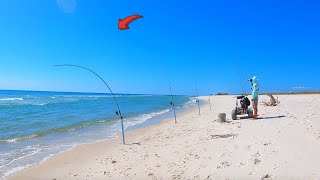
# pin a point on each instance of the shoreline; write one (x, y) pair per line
(200, 147)
(133, 132)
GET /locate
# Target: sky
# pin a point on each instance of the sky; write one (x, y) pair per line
(217, 45)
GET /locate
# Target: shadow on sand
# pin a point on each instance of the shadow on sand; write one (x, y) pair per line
(131, 144)
(263, 118)
(273, 117)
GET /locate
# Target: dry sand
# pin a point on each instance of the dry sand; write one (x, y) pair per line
(284, 144)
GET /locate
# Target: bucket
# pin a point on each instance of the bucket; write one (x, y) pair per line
(222, 117)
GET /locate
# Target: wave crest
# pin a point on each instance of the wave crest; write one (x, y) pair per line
(11, 99)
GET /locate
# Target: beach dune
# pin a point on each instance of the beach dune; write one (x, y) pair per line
(283, 144)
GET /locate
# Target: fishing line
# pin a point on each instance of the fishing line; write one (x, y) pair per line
(115, 100)
(209, 99)
(241, 80)
(172, 102)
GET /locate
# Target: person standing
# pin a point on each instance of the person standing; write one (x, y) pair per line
(255, 95)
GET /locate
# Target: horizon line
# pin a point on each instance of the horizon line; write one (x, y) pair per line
(211, 94)
(82, 92)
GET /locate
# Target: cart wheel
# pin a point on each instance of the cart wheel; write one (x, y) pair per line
(234, 114)
(250, 113)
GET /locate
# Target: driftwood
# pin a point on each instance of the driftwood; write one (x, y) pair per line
(272, 102)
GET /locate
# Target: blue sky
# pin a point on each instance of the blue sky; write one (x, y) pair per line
(203, 41)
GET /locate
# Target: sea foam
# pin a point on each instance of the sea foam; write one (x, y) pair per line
(11, 99)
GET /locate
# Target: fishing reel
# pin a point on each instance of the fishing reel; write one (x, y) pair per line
(118, 113)
(171, 103)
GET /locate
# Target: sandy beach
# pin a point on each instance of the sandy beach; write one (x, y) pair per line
(283, 144)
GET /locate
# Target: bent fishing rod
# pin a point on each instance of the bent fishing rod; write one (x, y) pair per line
(105, 83)
(172, 102)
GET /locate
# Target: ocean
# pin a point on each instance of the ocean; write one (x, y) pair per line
(35, 126)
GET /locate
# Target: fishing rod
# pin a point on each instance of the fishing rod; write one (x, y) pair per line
(209, 99)
(198, 101)
(172, 102)
(241, 80)
(115, 100)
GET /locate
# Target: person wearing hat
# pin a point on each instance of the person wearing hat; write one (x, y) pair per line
(255, 95)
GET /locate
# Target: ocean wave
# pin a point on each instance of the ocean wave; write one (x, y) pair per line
(130, 122)
(18, 102)
(121, 96)
(40, 104)
(107, 96)
(4, 106)
(135, 96)
(13, 170)
(9, 140)
(51, 131)
(143, 118)
(13, 140)
(11, 99)
(34, 152)
(11, 164)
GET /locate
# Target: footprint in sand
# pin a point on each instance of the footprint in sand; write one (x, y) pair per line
(277, 166)
(257, 159)
(252, 173)
(223, 155)
(241, 164)
(197, 157)
(157, 155)
(267, 144)
(202, 166)
(224, 165)
(268, 176)
(248, 148)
